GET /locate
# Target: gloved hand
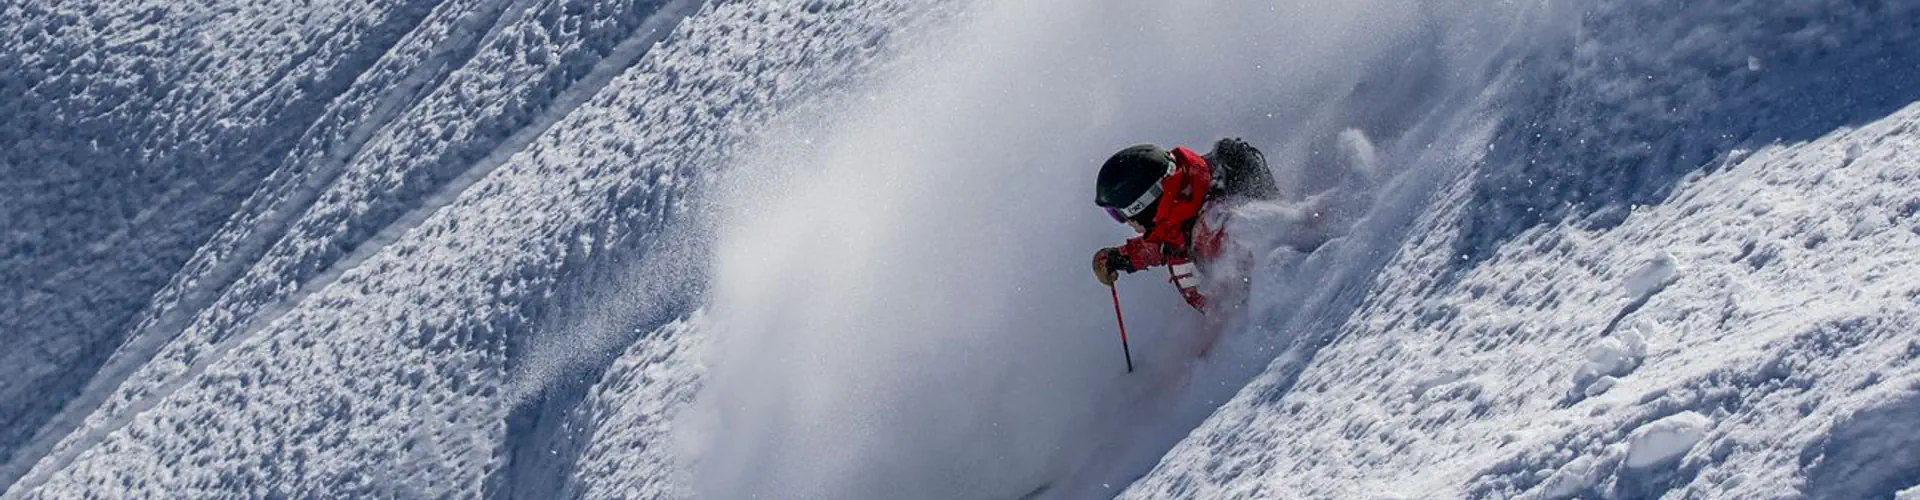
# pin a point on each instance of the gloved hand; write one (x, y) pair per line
(1107, 264)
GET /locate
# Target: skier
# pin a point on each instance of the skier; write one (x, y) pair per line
(1176, 200)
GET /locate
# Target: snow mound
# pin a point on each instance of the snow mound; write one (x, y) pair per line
(1665, 440)
(1650, 278)
(1576, 476)
(1611, 357)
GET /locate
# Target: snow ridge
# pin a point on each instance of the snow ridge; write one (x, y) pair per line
(392, 380)
(1649, 91)
(129, 144)
(218, 264)
(457, 39)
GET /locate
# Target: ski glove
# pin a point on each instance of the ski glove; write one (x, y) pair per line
(1107, 264)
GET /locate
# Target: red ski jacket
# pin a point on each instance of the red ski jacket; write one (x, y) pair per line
(1179, 234)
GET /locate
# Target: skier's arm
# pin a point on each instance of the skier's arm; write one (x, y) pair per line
(1138, 254)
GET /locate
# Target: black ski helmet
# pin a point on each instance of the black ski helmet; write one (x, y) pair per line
(1129, 182)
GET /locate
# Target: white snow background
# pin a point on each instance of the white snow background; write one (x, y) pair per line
(837, 249)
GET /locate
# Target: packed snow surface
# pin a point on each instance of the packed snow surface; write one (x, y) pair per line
(837, 249)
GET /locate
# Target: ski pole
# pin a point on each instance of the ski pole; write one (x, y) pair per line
(1124, 350)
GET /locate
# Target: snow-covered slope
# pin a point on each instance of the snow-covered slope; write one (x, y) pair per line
(373, 165)
(1754, 336)
(1569, 315)
(364, 344)
(835, 249)
(131, 131)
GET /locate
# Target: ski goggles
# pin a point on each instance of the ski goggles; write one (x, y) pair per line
(1124, 214)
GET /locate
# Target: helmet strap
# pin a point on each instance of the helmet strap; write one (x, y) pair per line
(1140, 204)
(1146, 199)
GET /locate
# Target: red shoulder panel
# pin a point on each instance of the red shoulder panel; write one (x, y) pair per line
(1184, 193)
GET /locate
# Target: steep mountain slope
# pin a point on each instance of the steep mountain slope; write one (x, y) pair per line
(1531, 289)
(835, 249)
(382, 156)
(132, 130)
(344, 332)
(1752, 336)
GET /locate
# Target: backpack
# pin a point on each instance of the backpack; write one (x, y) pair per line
(1240, 170)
